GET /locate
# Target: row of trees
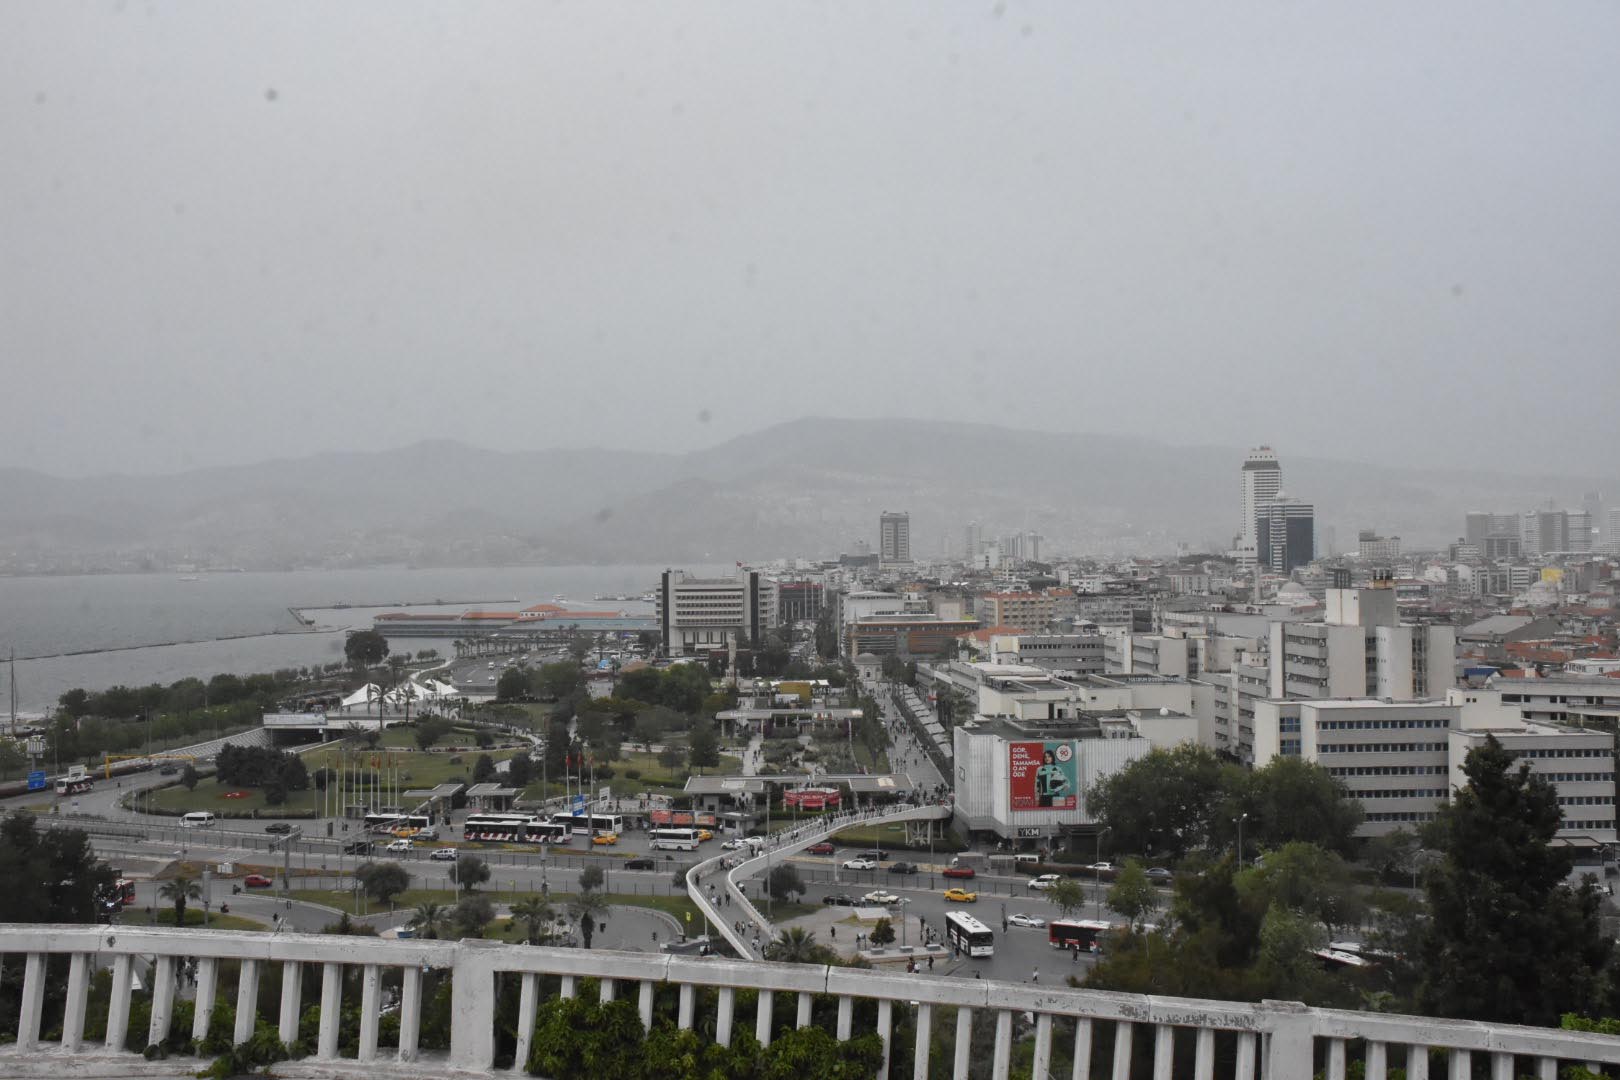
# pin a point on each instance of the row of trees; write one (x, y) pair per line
(1175, 802)
(260, 766)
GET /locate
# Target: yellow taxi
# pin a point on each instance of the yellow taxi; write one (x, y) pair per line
(961, 896)
(705, 834)
(605, 838)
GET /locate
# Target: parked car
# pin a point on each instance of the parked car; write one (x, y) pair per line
(1102, 868)
(875, 855)
(1020, 919)
(860, 864)
(1159, 875)
(256, 881)
(1045, 881)
(167, 770)
(704, 834)
(733, 844)
(399, 845)
(961, 896)
(640, 864)
(278, 827)
(605, 839)
(443, 854)
(958, 871)
(878, 896)
(902, 868)
(823, 848)
(839, 900)
(357, 847)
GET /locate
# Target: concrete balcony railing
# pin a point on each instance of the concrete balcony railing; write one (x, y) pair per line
(1181, 1037)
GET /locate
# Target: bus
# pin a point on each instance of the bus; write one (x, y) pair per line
(602, 823)
(1077, 934)
(674, 840)
(74, 785)
(398, 824)
(509, 828)
(968, 935)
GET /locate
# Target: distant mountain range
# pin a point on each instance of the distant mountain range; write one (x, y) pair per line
(806, 488)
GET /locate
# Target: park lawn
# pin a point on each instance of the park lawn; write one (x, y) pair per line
(653, 778)
(164, 916)
(877, 765)
(878, 836)
(210, 795)
(782, 910)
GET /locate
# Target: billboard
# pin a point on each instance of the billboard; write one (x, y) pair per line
(1042, 776)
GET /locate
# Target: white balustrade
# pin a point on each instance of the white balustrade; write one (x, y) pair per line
(1274, 1039)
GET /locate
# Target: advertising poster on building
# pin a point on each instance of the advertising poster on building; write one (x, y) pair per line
(1042, 776)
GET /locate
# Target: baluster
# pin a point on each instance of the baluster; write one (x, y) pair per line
(846, 1014)
(33, 1002)
(805, 1001)
(964, 1043)
(1377, 1061)
(73, 1014)
(525, 1028)
(1043, 1046)
(606, 990)
(207, 983)
(326, 1045)
(723, 1015)
(1335, 1059)
(1247, 1053)
(292, 999)
(410, 1013)
(1417, 1063)
(1164, 1051)
(1122, 1050)
(763, 1018)
(646, 1004)
(1001, 1066)
(370, 985)
(1462, 1065)
(247, 1001)
(1204, 1055)
(118, 1004)
(685, 1020)
(1501, 1066)
(1546, 1068)
(568, 987)
(919, 1051)
(157, 1030)
(885, 1030)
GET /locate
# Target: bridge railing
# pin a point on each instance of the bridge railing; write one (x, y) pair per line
(1107, 1030)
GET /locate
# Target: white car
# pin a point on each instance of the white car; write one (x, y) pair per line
(733, 844)
(1045, 881)
(399, 845)
(1021, 919)
(860, 864)
(878, 896)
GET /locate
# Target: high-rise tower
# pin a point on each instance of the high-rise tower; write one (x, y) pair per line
(894, 537)
(1262, 479)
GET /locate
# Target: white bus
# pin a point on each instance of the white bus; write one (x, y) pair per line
(397, 824)
(674, 840)
(74, 785)
(197, 819)
(968, 934)
(602, 823)
(512, 829)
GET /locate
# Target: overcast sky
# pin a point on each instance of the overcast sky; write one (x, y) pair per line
(1367, 230)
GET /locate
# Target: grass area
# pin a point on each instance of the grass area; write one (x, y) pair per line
(654, 778)
(343, 900)
(194, 917)
(210, 795)
(883, 836)
(782, 910)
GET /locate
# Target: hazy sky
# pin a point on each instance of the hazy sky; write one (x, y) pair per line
(1372, 230)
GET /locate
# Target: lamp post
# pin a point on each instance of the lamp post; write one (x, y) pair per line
(1097, 868)
(1241, 819)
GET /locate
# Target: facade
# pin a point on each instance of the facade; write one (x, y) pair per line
(1393, 758)
(1286, 532)
(701, 615)
(1030, 611)
(1578, 763)
(800, 601)
(894, 537)
(1067, 654)
(1262, 481)
(1371, 546)
(1361, 650)
(905, 634)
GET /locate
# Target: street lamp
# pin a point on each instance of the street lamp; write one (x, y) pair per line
(1241, 819)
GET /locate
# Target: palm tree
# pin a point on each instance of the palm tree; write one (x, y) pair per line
(430, 918)
(536, 915)
(180, 889)
(587, 909)
(796, 945)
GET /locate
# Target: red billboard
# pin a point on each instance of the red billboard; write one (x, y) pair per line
(1042, 776)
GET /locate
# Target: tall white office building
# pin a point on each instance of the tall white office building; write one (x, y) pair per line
(1262, 480)
(894, 537)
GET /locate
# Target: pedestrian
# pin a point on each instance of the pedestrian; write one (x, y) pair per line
(930, 963)
(833, 930)
(1076, 952)
(1036, 976)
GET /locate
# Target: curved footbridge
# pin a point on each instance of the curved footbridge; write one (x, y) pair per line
(779, 846)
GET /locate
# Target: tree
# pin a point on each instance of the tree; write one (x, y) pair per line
(430, 729)
(1507, 940)
(1132, 894)
(703, 745)
(383, 881)
(188, 777)
(66, 880)
(179, 889)
(471, 871)
(520, 770)
(649, 729)
(555, 681)
(591, 877)
(74, 703)
(513, 685)
(430, 919)
(587, 909)
(1068, 895)
(1306, 879)
(364, 649)
(883, 933)
(1391, 855)
(536, 915)
(1292, 799)
(797, 945)
(483, 769)
(1163, 802)
(784, 882)
(471, 914)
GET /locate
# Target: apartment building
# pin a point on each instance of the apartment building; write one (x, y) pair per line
(1578, 763)
(701, 615)
(1027, 611)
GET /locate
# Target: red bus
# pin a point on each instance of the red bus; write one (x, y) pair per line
(1079, 934)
